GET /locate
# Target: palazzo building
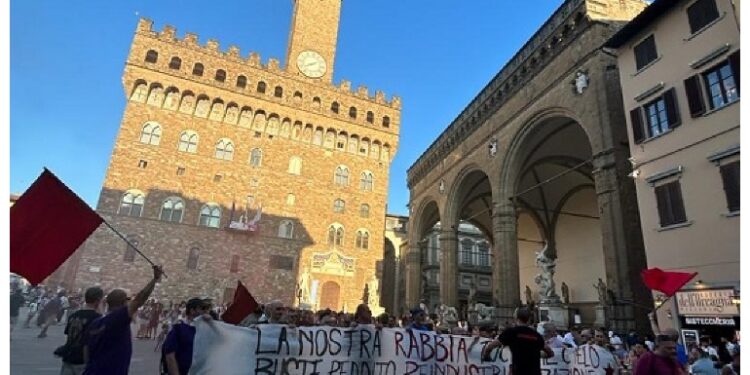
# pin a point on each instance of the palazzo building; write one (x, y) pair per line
(679, 64)
(227, 168)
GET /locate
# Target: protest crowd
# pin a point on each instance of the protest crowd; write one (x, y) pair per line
(102, 344)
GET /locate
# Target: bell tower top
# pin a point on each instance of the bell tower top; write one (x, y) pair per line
(312, 38)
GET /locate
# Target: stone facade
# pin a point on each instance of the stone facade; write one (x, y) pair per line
(288, 138)
(540, 149)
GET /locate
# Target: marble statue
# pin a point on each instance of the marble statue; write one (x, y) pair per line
(304, 286)
(601, 290)
(544, 279)
(565, 291)
(472, 293)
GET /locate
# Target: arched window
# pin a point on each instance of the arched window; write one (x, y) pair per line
(366, 181)
(224, 149)
(484, 254)
(330, 139)
(156, 96)
(278, 92)
(210, 216)
(171, 210)
(341, 176)
(151, 56)
(198, 69)
(234, 266)
(241, 82)
(341, 142)
(364, 146)
(221, 75)
(188, 142)
(467, 250)
(386, 121)
(192, 262)
(370, 117)
(295, 165)
(353, 112)
(140, 93)
(364, 210)
(132, 203)
(175, 63)
(335, 107)
(339, 205)
(261, 87)
(318, 137)
(363, 239)
(297, 97)
(217, 111)
(353, 144)
(256, 157)
(375, 150)
(286, 229)
(151, 134)
(130, 250)
(335, 235)
(316, 102)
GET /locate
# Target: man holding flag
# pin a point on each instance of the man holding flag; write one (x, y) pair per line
(110, 342)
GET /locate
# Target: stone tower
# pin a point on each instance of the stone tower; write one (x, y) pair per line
(312, 39)
(229, 167)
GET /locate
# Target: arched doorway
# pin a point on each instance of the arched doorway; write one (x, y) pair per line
(329, 295)
(557, 209)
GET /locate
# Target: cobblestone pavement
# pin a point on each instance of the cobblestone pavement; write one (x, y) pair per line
(30, 355)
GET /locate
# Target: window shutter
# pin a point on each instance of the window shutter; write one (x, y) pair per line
(678, 208)
(734, 61)
(730, 176)
(695, 96)
(673, 112)
(662, 204)
(636, 122)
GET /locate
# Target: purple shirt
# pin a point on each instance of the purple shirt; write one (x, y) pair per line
(180, 342)
(110, 344)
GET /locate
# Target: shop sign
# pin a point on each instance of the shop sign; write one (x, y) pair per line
(710, 302)
(709, 321)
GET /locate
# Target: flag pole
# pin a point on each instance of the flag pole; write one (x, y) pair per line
(131, 245)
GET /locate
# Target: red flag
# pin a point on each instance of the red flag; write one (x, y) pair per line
(47, 224)
(666, 282)
(243, 305)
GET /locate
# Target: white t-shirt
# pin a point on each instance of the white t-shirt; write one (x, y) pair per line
(710, 350)
(570, 340)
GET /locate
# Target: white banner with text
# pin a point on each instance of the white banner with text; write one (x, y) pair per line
(224, 349)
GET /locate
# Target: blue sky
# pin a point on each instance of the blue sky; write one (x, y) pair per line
(67, 59)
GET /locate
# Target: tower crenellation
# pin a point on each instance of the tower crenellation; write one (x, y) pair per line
(233, 54)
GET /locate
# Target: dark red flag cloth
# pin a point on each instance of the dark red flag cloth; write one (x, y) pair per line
(666, 282)
(243, 305)
(47, 224)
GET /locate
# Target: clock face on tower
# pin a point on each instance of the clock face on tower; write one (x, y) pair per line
(311, 64)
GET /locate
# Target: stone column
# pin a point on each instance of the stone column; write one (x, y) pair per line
(413, 275)
(449, 267)
(624, 254)
(506, 289)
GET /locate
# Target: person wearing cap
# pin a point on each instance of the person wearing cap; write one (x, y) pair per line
(110, 342)
(177, 352)
(418, 320)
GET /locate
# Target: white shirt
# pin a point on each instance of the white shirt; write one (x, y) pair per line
(650, 345)
(570, 340)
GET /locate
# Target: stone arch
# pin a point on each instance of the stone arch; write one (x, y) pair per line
(187, 103)
(273, 125)
(217, 110)
(202, 106)
(156, 95)
(140, 91)
(468, 178)
(286, 128)
(171, 98)
(259, 121)
(297, 131)
(246, 117)
(232, 114)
